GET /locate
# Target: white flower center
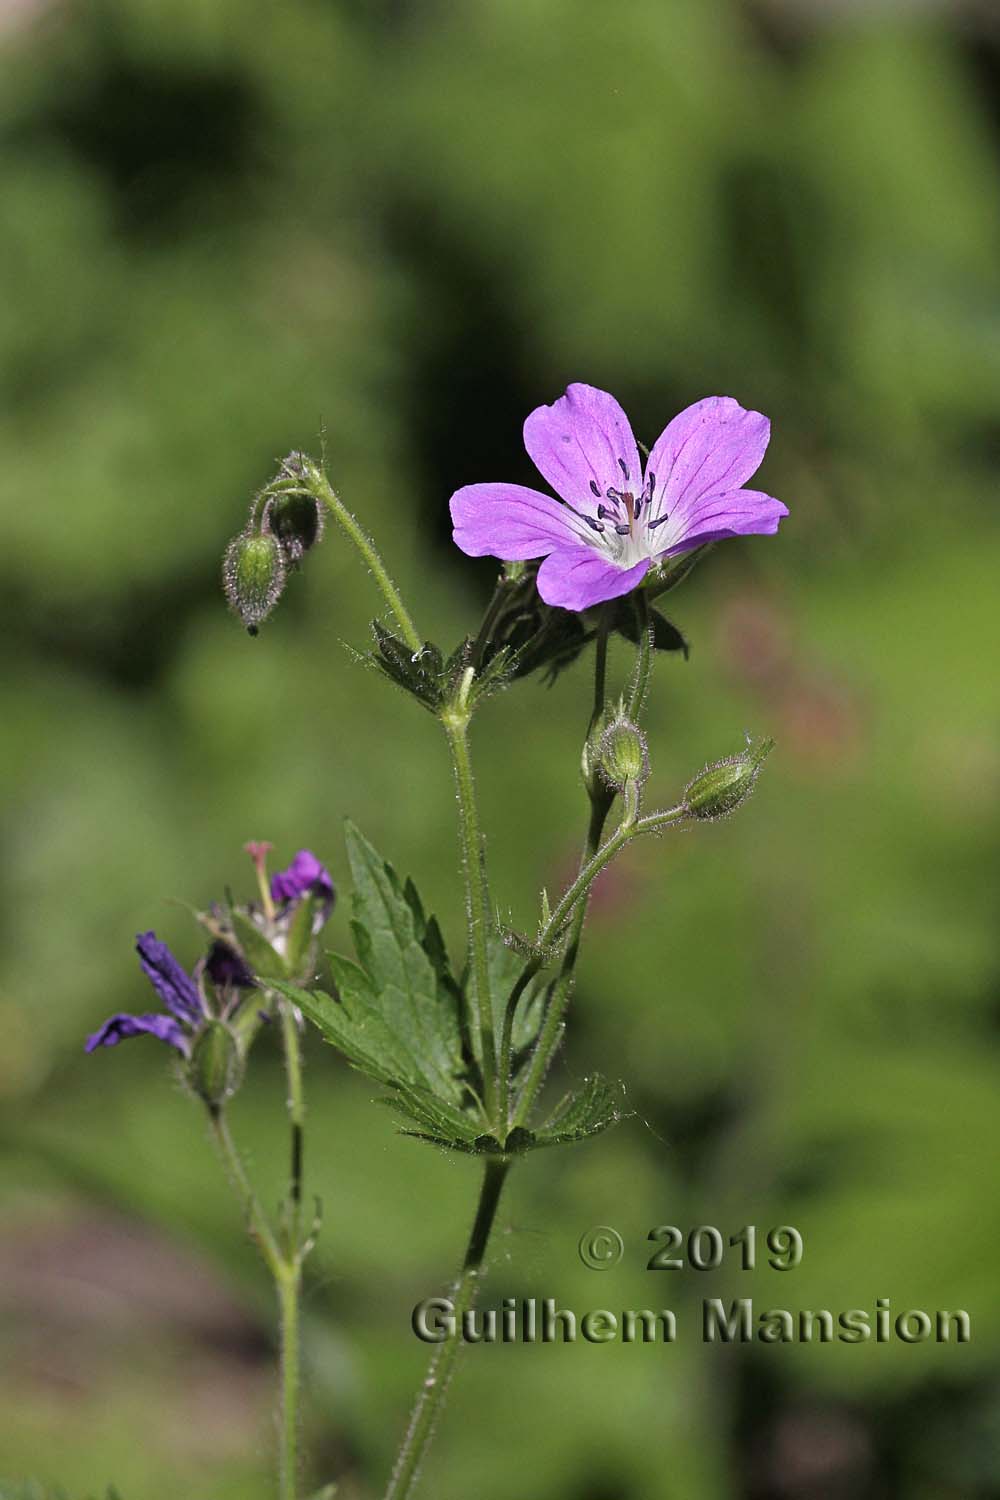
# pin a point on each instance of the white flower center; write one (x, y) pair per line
(625, 528)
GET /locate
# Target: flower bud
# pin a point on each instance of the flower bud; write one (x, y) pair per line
(253, 576)
(718, 790)
(296, 521)
(215, 1068)
(622, 754)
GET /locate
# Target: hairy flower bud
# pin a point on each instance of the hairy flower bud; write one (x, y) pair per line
(623, 755)
(215, 1068)
(296, 521)
(253, 576)
(719, 789)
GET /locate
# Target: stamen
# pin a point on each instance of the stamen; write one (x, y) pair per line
(594, 525)
(601, 512)
(623, 530)
(613, 495)
(595, 488)
(624, 468)
(638, 507)
(651, 525)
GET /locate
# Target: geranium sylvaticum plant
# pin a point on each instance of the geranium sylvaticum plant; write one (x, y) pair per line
(460, 1044)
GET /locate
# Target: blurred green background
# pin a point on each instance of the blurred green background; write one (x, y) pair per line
(227, 225)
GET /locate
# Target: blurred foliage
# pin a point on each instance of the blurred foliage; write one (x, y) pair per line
(229, 229)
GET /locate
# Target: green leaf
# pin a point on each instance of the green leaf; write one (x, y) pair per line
(396, 1014)
(505, 964)
(262, 958)
(403, 959)
(439, 1123)
(594, 1107)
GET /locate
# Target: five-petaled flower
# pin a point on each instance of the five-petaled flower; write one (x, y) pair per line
(615, 516)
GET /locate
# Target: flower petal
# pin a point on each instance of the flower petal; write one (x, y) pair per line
(713, 446)
(117, 1028)
(715, 517)
(224, 965)
(174, 986)
(510, 521)
(577, 577)
(305, 876)
(583, 438)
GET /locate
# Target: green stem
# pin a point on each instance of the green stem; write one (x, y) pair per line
(289, 1286)
(549, 1036)
(260, 1230)
(644, 656)
(287, 1276)
(428, 1406)
(477, 901)
(320, 488)
(296, 1109)
(601, 666)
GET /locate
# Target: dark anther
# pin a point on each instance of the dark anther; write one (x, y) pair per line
(594, 525)
(595, 488)
(658, 522)
(601, 512)
(613, 495)
(638, 507)
(623, 530)
(624, 468)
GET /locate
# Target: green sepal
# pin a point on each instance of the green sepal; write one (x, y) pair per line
(420, 674)
(299, 939)
(263, 960)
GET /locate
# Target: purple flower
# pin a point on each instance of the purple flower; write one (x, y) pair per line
(305, 876)
(616, 516)
(175, 988)
(224, 965)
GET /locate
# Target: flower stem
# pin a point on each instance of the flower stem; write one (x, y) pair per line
(296, 1109)
(644, 656)
(317, 484)
(429, 1401)
(257, 1222)
(289, 1286)
(551, 1032)
(286, 1273)
(477, 900)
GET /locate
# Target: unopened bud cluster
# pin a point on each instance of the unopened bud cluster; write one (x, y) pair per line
(285, 522)
(719, 789)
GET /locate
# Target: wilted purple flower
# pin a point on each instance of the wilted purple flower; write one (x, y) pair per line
(615, 515)
(224, 965)
(175, 988)
(305, 876)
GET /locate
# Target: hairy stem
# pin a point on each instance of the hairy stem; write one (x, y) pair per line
(287, 1275)
(296, 1110)
(477, 900)
(551, 1032)
(289, 1286)
(317, 485)
(644, 656)
(432, 1393)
